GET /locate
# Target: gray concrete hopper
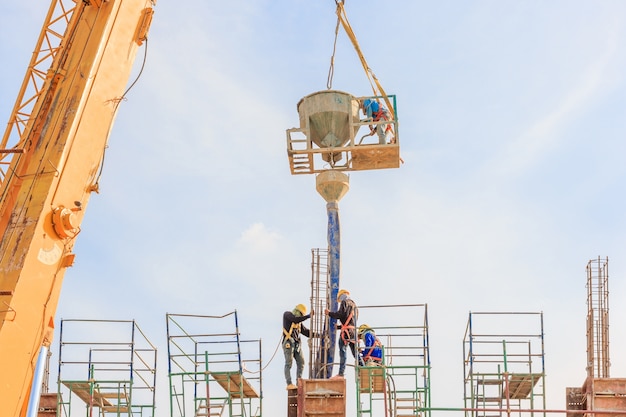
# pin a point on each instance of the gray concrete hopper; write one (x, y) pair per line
(329, 116)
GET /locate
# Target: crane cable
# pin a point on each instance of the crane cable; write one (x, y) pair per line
(331, 70)
(374, 83)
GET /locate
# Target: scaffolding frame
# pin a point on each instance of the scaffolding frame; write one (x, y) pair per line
(212, 373)
(111, 368)
(400, 386)
(504, 368)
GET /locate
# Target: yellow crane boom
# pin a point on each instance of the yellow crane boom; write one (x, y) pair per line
(53, 168)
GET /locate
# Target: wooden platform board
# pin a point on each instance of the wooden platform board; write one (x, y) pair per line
(375, 156)
(235, 384)
(521, 385)
(372, 379)
(91, 395)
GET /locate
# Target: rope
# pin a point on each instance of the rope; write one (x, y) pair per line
(331, 70)
(268, 363)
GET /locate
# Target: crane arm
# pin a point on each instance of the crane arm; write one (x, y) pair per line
(55, 163)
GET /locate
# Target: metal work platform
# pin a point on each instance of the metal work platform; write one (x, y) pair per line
(333, 135)
(504, 364)
(400, 386)
(212, 371)
(109, 365)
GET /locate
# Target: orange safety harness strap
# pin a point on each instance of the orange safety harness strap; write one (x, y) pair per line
(346, 327)
(382, 115)
(369, 353)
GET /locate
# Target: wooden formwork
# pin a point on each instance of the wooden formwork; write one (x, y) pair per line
(607, 394)
(325, 397)
(47, 405)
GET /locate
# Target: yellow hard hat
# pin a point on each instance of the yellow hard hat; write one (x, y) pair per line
(342, 292)
(301, 308)
(363, 328)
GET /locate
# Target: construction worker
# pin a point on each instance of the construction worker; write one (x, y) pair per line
(347, 314)
(292, 327)
(376, 112)
(372, 352)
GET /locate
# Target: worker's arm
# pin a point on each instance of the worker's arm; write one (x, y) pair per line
(341, 314)
(289, 318)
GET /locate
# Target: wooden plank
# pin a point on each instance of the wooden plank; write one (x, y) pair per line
(235, 384)
(375, 156)
(521, 385)
(372, 379)
(85, 392)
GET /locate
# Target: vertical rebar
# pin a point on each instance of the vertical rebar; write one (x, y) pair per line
(598, 361)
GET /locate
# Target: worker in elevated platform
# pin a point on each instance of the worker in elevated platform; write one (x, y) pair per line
(347, 314)
(292, 327)
(376, 112)
(372, 351)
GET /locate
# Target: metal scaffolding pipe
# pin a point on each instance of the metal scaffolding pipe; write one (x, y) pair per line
(35, 389)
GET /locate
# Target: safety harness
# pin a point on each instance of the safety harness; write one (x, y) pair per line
(368, 356)
(382, 114)
(294, 326)
(347, 327)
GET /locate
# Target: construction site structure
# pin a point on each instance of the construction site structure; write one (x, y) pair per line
(599, 392)
(504, 364)
(212, 371)
(340, 132)
(398, 386)
(106, 368)
(51, 156)
(598, 359)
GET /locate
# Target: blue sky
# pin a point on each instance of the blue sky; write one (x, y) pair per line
(512, 131)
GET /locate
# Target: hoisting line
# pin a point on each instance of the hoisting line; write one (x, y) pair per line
(378, 89)
(331, 70)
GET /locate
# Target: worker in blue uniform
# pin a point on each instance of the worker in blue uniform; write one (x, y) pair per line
(376, 112)
(372, 351)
